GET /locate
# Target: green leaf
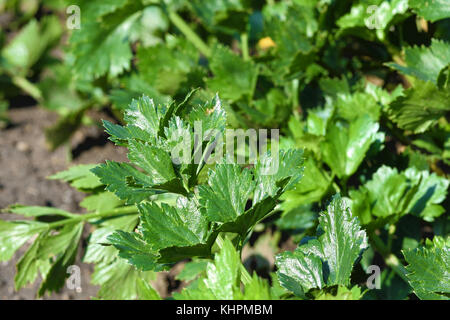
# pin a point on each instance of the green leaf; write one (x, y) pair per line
(226, 16)
(278, 173)
(382, 196)
(120, 281)
(146, 291)
(166, 235)
(431, 10)
(257, 289)
(390, 194)
(420, 107)
(223, 276)
(192, 270)
(225, 197)
(19, 51)
(228, 190)
(133, 248)
(431, 191)
(312, 187)
(120, 135)
(328, 259)
(234, 78)
(333, 87)
(115, 176)
(15, 233)
(425, 63)
(297, 219)
(298, 272)
(383, 96)
(429, 269)
(222, 279)
(317, 121)
(155, 161)
(60, 91)
(79, 177)
(212, 115)
(63, 247)
(342, 242)
(166, 66)
(351, 106)
(345, 146)
(31, 43)
(117, 279)
(132, 87)
(29, 265)
(268, 112)
(96, 250)
(144, 114)
(302, 138)
(50, 255)
(290, 25)
(153, 134)
(101, 46)
(342, 293)
(443, 80)
(102, 201)
(145, 121)
(209, 122)
(379, 17)
(95, 10)
(166, 226)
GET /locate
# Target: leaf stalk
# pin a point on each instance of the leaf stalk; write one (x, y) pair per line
(390, 259)
(189, 33)
(94, 215)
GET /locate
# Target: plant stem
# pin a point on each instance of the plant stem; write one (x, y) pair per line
(190, 34)
(395, 264)
(390, 259)
(246, 278)
(94, 215)
(244, 46)
(295, 98)
(332, 183)
(390, 237)
(28, 87)
(344, 184)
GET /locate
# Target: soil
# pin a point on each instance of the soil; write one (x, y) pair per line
(25, 162)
